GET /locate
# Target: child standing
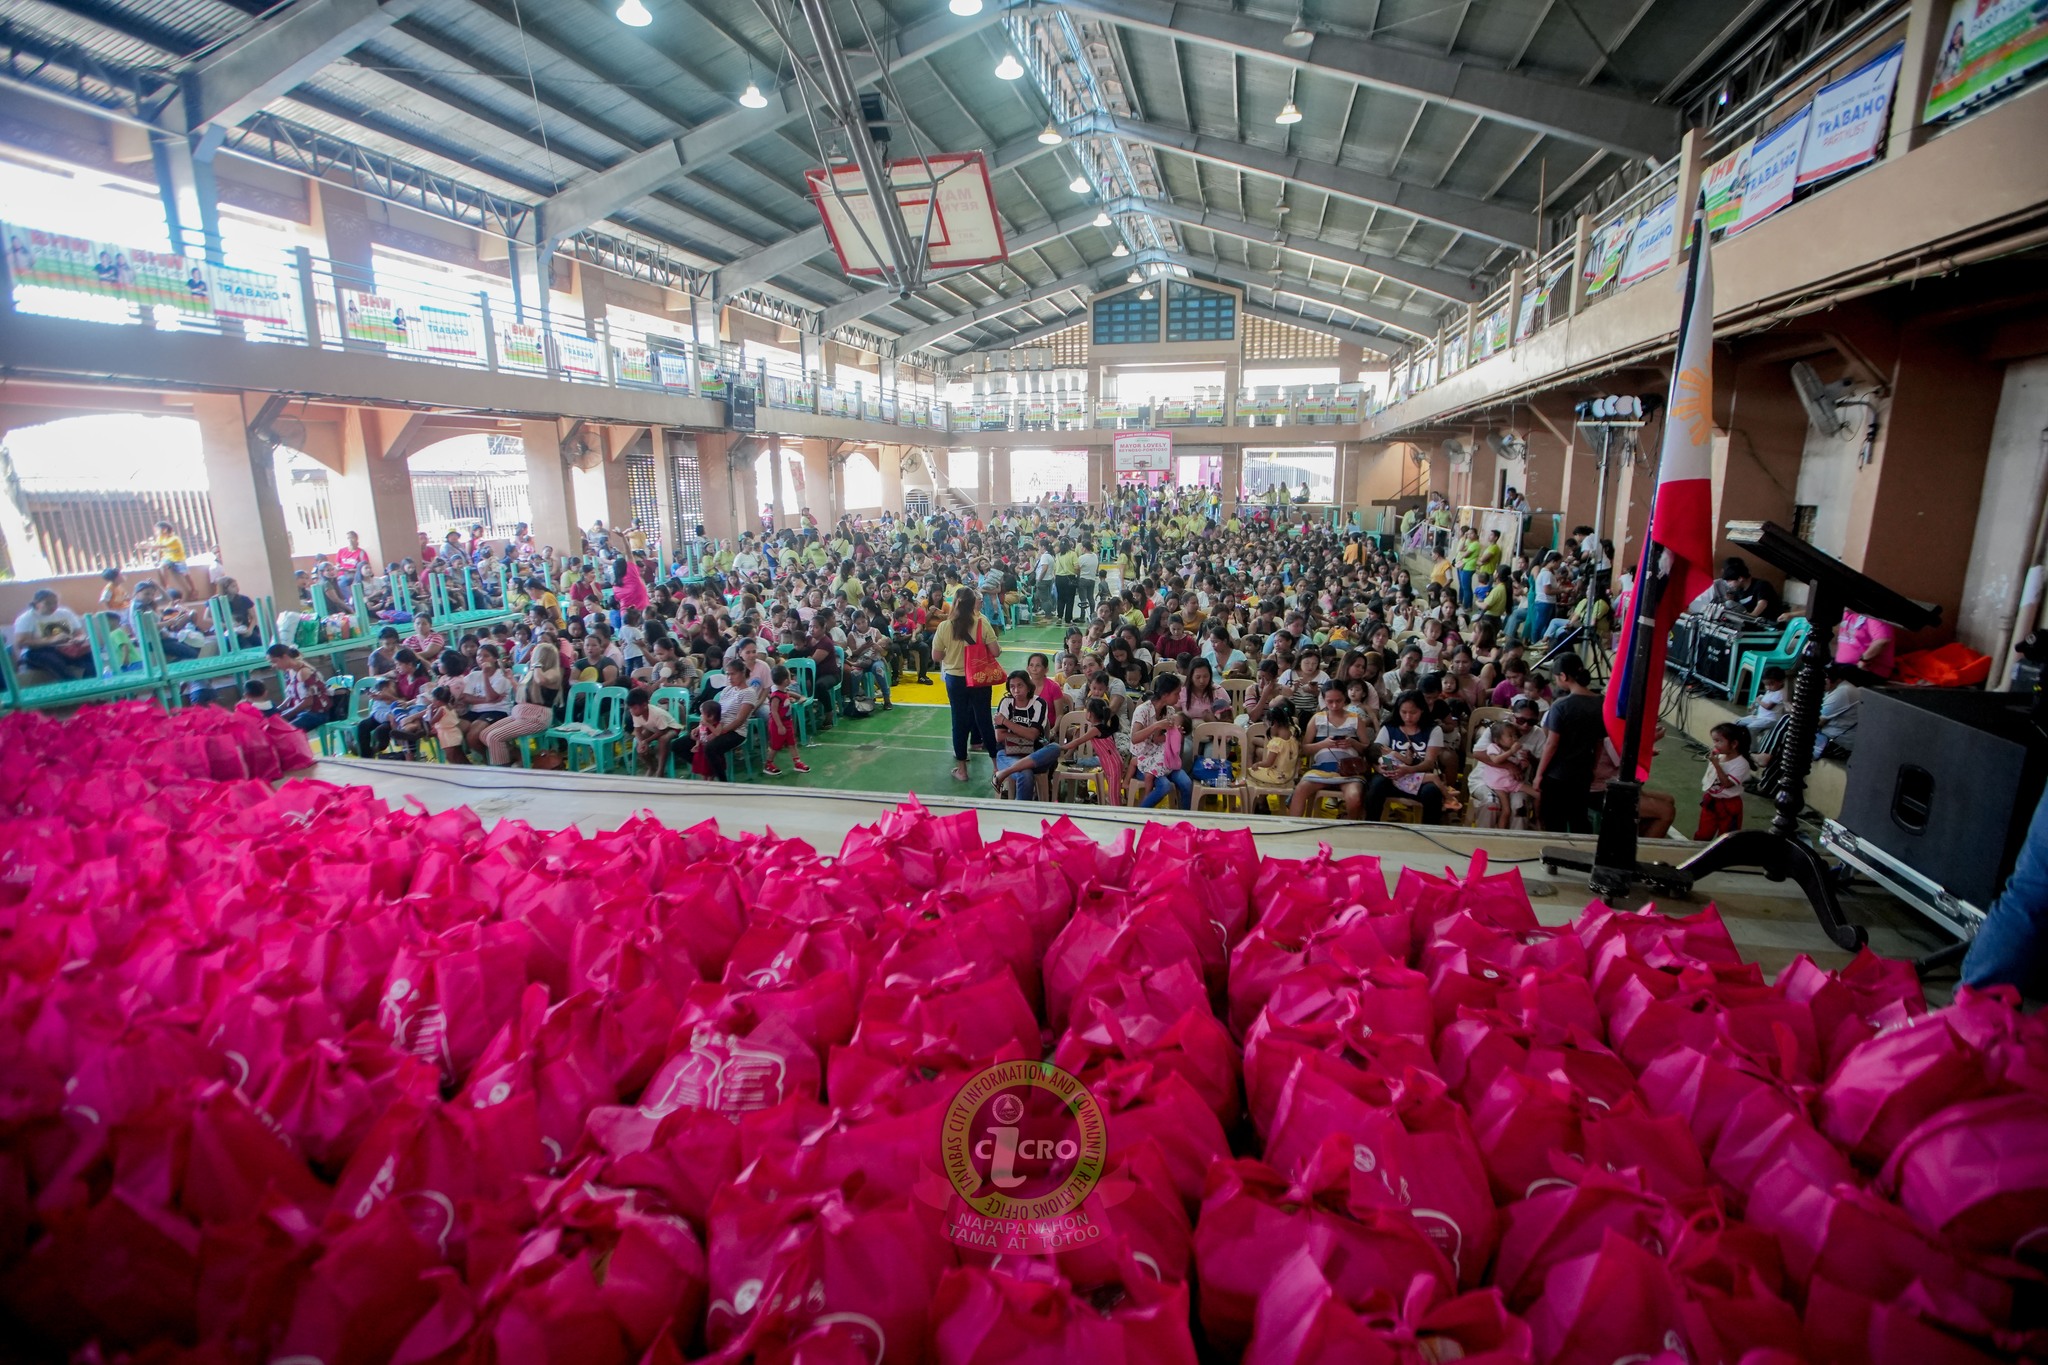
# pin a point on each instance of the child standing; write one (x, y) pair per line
(1727, 769)
(782, 704)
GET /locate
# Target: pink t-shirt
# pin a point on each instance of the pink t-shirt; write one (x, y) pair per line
(1858, 633)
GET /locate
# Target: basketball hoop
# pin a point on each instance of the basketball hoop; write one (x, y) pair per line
(946, 203)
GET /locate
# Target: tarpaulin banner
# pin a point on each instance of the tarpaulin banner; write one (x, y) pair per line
(1773, 171)
(164, 279)
(249, 295)
(55, 260)
(449, 331)
(1850, 118)
(373, 317)
(519, 344)
(578, 355)
(1603, 260)
(1723, 185)
(1989, 45)
(1650, 249)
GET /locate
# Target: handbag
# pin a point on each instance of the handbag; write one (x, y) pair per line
(980, 663)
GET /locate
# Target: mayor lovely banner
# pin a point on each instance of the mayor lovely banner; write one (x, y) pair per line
(1773, 171)
(1850, 118)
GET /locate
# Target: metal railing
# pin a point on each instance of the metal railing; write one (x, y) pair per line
(80, 531)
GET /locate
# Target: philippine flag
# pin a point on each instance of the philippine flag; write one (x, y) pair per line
(1678, 558)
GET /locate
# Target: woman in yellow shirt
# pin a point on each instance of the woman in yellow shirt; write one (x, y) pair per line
(969, 705)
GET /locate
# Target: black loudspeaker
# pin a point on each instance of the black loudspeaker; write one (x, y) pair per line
(1714, 655)
(1946, 782)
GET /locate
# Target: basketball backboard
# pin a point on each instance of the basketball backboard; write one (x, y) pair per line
(946, 201)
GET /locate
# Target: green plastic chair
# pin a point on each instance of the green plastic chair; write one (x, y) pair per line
(338, 737)
(19, 696)
(579, 707)
(676, 701)
(606, 715)
(804, 673)
(1749, 672)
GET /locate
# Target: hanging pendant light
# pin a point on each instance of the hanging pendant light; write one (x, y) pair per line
(752, 98)
(1050, 136)
(1079, 184)
(1121, 250)
(634, 14)
(966, 9)
(1289, 113)
(1009, 69)
(1102, 219)
(1134, 278)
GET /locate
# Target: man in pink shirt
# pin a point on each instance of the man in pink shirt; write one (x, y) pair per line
(1865, 642)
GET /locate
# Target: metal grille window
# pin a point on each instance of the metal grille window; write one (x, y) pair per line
(1069, 346)
(1126, 320)
(689, 493)
(1197, 314)
(640, 477)
(1268, 340)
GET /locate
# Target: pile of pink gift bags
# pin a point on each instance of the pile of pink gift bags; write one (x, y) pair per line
(287, 1076)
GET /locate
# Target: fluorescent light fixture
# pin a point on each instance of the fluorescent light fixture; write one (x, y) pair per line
(1079, 184)
(966, 9)
(1008, 69)
(1121, 250)
(751, 97)
(1289, 113)
(1050, 136)
(1102, 219)
(634, 14)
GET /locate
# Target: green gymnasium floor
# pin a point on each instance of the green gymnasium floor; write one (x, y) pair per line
(909, 748)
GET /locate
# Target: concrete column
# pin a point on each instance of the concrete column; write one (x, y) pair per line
(1925, 478)
(248, 516)
(1233, 477)
(344, 218)
(1632, 486)
(1100, 476)
(599, 482)
(1541, 480)
(1582, 247)
(372, 494)
(1001, 489)
(670, 532)
(1579, 483)
(721, 506)
(1518, 280)
(1760, 439)
(1692, 164)
(820, 478)
(778, 460)
(550, 493)
(984, 483)
(890, 458)
(1926, 32)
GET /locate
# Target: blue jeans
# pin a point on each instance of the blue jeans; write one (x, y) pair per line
(1539, 618)
(1024, 782)
(971, 718)
(1176, 780)
(1464, 587)
(2007, 949)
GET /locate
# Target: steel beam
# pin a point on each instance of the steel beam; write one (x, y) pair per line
(1599, 118)
(1495, 222)
(1308, 289)
(868, 304)
(1443, 284)
(597, 197)
(1085, 281)
(229, 85)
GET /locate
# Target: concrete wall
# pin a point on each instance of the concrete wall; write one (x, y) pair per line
(2015, 484)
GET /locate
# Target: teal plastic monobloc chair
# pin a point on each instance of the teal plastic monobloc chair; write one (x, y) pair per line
(338, 737)
(599, 731)
(579, 714)
(676, 701)
(1749, 673)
